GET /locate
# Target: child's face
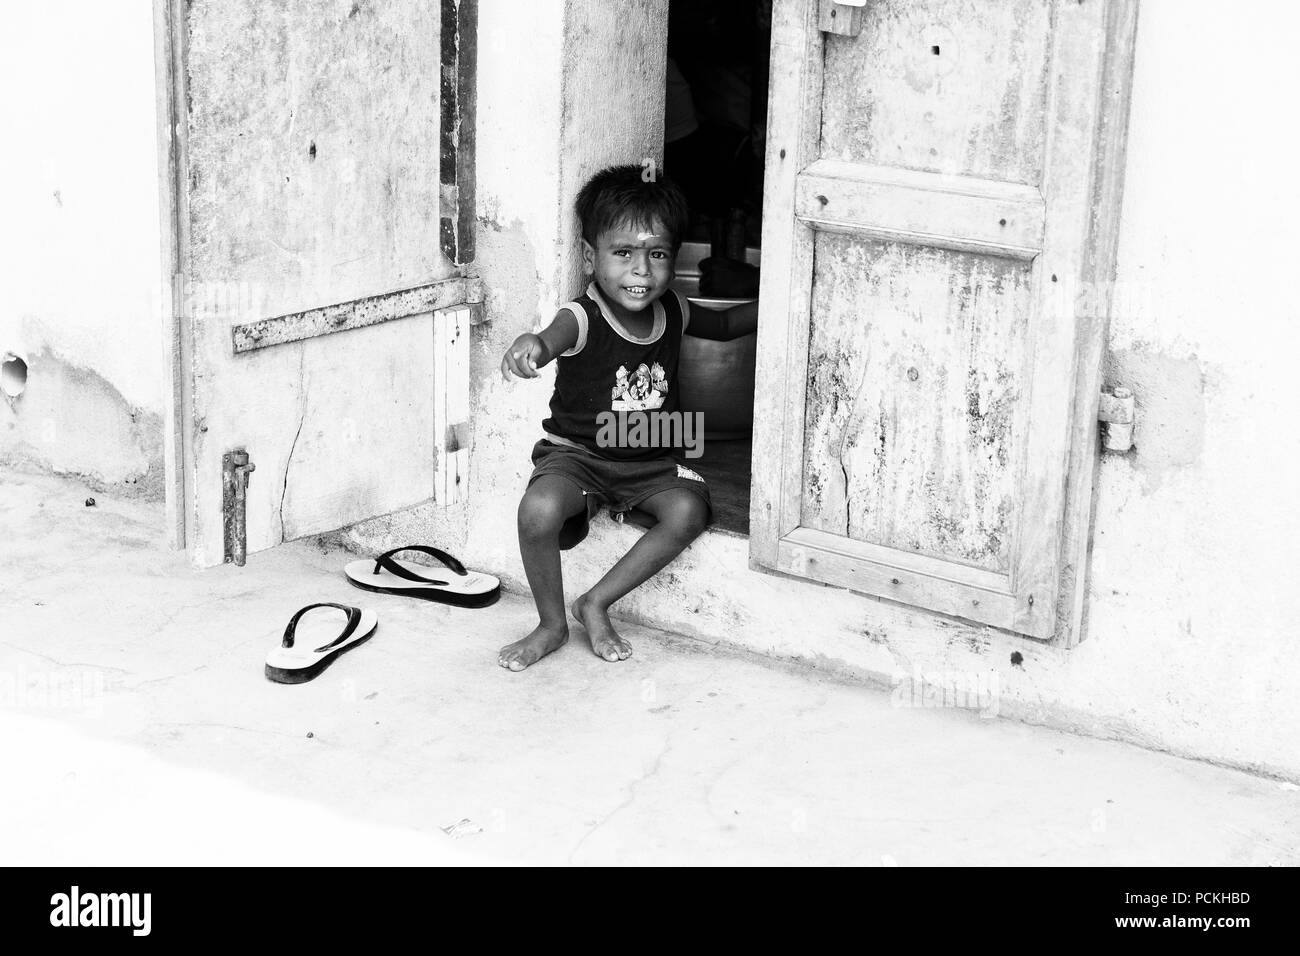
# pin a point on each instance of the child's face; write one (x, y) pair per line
(632, 264)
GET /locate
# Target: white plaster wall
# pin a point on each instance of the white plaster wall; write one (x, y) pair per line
(79, 176)
(79, 246)
(1194, 610)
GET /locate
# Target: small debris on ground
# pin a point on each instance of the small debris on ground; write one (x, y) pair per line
(461, 828)
(310, 735)
(90, 502)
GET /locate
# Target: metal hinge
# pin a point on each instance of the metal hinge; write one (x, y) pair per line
(1116, 411)
(235, 469)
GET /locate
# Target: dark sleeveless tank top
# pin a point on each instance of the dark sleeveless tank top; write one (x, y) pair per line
(611, 370)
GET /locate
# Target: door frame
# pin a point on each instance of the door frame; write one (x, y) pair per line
(171, 95)
(794, 132)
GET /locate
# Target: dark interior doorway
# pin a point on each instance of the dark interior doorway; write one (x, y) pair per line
(716, 112)
(714, 144)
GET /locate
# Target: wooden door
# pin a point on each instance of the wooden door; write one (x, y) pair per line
(308, 207)
(942, 175)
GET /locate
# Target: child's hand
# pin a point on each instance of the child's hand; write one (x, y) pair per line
(523, 357)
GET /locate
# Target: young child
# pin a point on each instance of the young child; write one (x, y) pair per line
(616, 347)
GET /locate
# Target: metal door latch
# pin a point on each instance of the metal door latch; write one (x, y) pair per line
(235, 469)
(1116, 411)
(843, 17)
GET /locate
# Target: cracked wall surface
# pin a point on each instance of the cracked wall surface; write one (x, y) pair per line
(80, 248)
(69, 420)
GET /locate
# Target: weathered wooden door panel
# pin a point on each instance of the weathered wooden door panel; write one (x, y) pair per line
(340, 428)
(309, 176)
(932, 181)
(943, 86)
(915, 386)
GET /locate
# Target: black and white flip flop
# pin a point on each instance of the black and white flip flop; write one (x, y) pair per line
(308, 650)
(450, 584)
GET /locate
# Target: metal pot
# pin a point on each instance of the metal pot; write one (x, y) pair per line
(715, 378)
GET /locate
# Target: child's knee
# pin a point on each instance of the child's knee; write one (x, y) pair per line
(686, 516)
(540, 514)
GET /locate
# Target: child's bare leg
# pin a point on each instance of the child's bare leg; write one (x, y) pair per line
(546, 504)
(681, 517)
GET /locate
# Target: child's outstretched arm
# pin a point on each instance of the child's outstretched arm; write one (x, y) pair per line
(724, 325)
(530, 351)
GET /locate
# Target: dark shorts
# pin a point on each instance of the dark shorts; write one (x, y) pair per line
(618, 485)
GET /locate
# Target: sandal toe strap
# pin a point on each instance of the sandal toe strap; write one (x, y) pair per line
(354, 618)
(385, 562)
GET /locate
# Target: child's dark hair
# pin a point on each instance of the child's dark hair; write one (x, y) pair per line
(622, 194)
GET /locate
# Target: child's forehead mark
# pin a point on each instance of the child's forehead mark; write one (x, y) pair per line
(628, 231)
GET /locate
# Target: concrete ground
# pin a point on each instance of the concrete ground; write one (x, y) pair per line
(138, 728)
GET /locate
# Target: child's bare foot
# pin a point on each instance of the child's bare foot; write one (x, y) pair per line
(604, 639)
(533, 648)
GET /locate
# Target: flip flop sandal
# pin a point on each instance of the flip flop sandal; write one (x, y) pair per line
(300, 657)
(451, 584)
